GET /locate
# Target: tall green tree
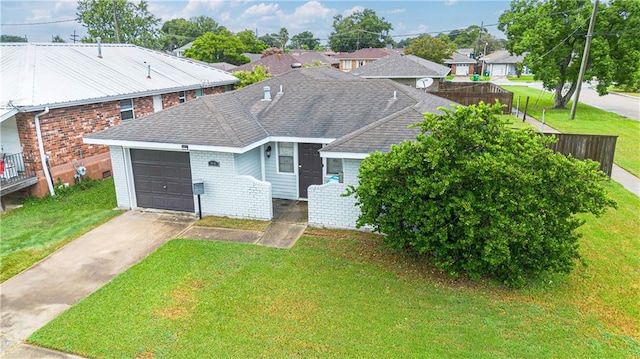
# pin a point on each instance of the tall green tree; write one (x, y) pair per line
(305, 40)
(12, 38)
(476, 197)
(136, 25)
(57, 39)
(222, 47)
(282, 37)
(269, 40)
(251, 42)
(179, 32)
(553, 33)
(359, 30)
(430, 48)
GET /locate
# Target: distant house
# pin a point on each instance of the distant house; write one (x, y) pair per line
(314, 57)
(353, 60)
(503, 63)
(406, 69)
(54, 94)
(179, 52)
(275, 64)
(461, 64)
(298, 136)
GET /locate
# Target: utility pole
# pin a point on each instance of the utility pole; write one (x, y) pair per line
(585, 57)
(115, 21)
(74, 37)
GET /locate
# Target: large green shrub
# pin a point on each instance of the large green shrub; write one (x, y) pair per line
(479, 198)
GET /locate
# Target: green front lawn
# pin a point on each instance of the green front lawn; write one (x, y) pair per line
(343, 294)
(522, 78)
(588, 120)
(41, 226)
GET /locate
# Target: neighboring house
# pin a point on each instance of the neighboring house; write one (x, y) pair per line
(54, 94)
(353, 60)
(224, 66)
(461, 64)
(311, 57)
(502, 63)
(409, 70)
(179, 52)
(275, 64)
(297, 136)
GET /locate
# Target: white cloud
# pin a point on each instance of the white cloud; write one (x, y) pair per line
(450, 2)
(168, 10)
(261, 9)
(356, 8)
(394, 11)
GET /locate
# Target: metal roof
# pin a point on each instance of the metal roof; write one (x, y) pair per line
(57, 75)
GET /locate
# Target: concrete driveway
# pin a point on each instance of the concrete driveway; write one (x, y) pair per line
(34, 297)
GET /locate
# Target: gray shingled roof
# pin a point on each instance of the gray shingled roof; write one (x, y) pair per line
(404, 66)
(458, 58)
(314, 103)
(380, 135)
(217, 120)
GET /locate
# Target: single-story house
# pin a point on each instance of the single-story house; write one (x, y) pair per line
(298, 136)
(54, 94)
(358, 58)
(461, 64)
(274, 64)
(503, 63)
(409, 70)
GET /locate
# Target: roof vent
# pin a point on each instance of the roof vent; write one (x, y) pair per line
(394, 95)
(98, 39)
(296, 65)
(280, 92)
(148, 71)
(267, 93)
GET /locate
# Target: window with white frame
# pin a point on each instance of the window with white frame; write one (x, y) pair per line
(285, 157)
(347, 64)
(126, 110)
(334, 166)
(198, 92)
(182, 96)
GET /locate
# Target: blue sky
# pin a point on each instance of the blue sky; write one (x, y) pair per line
(408, 18)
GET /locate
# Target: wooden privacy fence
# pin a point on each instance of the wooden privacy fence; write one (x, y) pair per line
(471, 93)
(599, 148)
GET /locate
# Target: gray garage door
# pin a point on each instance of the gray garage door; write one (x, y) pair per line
(162, 180)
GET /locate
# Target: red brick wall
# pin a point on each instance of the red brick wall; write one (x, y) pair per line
(63, 129)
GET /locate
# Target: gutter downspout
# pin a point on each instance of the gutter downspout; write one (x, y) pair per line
(43, 157)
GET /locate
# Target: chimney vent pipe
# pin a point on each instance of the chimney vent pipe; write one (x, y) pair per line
(98, 39)
(267, 93)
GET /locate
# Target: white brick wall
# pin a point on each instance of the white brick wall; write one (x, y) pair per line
(118, 167)
(229, 194)
(327, 206)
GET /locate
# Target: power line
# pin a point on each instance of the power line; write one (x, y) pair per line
(39, 23)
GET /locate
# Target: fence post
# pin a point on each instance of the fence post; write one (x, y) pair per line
(518, 107)
(542, 127)
(526, 106)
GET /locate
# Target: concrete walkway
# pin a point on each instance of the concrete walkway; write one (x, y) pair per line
(37, 295)
(288, 223)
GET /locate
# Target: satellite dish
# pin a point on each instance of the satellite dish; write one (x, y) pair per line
(424, 83)
(81, 171)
